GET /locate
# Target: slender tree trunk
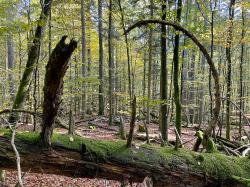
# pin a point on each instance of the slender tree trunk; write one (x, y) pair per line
(191, 98)
(150, 41)
(144, 79)
(50, 33)
(241, 66)
(84, 65)
(176, 77)
(10, 54)
(111, 63)
(212, 7)
(229, 66)
(163, 78)
(127, 51)
(10, 64)
(89, 87)
(101, 69)
(33, 56)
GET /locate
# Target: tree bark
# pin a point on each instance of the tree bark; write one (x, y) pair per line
(241, 92)
(132, 123)
(176, 77)
(112, 160)
(163, 78)
(53, 86)
(229, 66)
(10, 64)
(101, 68)
(150, 62)
(111, 64)
(127, 51)
(84, 64)
(33, 56)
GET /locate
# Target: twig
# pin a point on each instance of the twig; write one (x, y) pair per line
(178, 136)
(19, 171)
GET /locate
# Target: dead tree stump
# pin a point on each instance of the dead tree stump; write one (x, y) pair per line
(53, 86)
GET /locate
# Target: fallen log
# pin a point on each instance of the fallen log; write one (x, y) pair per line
(79, 157)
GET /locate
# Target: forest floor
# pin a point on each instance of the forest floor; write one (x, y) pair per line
(99, 131)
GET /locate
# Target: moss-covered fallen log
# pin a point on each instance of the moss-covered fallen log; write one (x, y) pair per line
(79, 157)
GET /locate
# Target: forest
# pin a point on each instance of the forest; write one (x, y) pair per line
(108, 93)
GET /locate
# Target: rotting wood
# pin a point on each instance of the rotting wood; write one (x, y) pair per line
(53, 86)
(112, 160)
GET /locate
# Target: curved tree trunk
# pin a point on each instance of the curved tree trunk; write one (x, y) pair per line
(210, 62)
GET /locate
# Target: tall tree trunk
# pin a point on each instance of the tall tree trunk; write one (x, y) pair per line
(191, 98)
(127, 51)
(101, 68)
(33, 56)
(88, 37)
(241, 66)
(176, 77)
(144, 78)
(84, 65)
(213, 5)
(150, 42)
(229, 66)
(163, 78)
(111, 63)
(10, 64)
(53, 86)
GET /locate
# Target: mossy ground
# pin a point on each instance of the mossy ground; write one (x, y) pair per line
(210, 164)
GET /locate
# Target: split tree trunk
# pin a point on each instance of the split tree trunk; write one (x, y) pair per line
(53, 86)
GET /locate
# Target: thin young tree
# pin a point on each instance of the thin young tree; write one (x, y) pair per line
(111, 63)
(33, 56)
(176, 76)
(101, 68)
(150, 59)
(163, 77)
(127, 50)
(241, 94)
(229, 66)
(84, 69)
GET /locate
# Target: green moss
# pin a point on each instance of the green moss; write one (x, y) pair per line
(244, 181)
(209, 145)
(211, 164)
